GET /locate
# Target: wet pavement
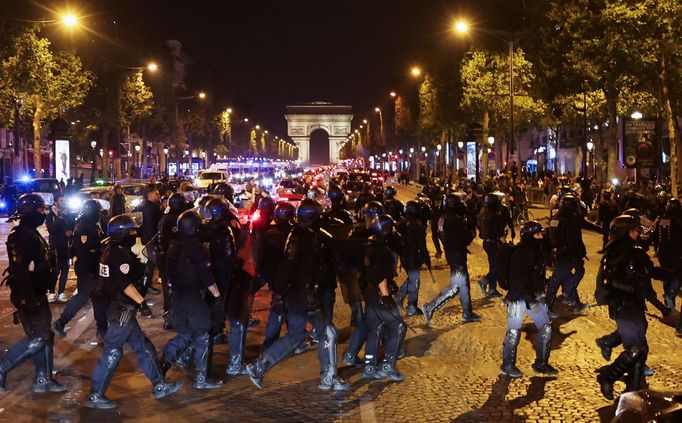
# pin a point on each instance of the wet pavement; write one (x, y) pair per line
(451, 369)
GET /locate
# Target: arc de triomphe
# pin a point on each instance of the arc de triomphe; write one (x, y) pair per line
(326, 120)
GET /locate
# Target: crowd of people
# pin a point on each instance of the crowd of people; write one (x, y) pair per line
(210, 263)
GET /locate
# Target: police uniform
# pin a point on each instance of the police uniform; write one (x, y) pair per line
(57, 228)
(412, 259)
(118, 269)
(166, 235)
(30, 277)
(491, 228)
(189, 272)
(87, 247)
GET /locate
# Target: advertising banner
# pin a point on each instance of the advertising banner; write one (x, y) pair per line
(471, 159)
(62, 160)
(639, 143)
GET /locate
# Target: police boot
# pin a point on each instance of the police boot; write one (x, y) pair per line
(437, 303)
(636, 378)
(605, 348)
(201, 380)
(387, 368)
(236, 366)
(257, 369)
(468, 315)
(43, 381)
(351, 359)
(611, 373)
(184, 360)
(511, 343)
(413, 310)
(96, 397)
(165, 388)
(59, 328)
(329, 379)
(543, 344)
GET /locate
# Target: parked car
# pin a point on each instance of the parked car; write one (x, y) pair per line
(44, 187)
(134, 194)
(291, 190)
(205, 178)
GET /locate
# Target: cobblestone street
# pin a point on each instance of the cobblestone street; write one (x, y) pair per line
(451, 369)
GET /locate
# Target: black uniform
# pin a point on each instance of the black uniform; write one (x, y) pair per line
(118, 269)
(456, 235)
(58, 227)
(394, 208)
(412, 259)
(87, 248)
(491, 224)
(607, 211)
(166, 235)
(30, 277)
(666, 238)
(151, 214)
(189, 272)
(435, 194)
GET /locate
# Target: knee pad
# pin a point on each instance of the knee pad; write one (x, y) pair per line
(546, 330)
(516, 310)
(113, 357)
(36, 344)
(332, 334)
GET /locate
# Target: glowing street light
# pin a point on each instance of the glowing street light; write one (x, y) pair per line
(229, 110)
(590, 145)
(378, 110)
(393, 94)
(202, 95)
(415, 71)
(636, 115)
(69, 20)
(461, 27)
(152, 67)
(460, 144)
(364, 121)
(257, 126)
(491, 141)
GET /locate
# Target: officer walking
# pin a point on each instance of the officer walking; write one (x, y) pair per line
(121, 272)
(568, 252)
(151, 214)
(607, 211)
(491, 224)
(338, 202)
(667, 234)
(30, 276)
(189, 272)
(393, 207)
(60, 230)
(456, 234)
(297, 286)
(87, 248)
(626, 272)
(526, 282)
(435, 194)
(167, 232)
(412, 258)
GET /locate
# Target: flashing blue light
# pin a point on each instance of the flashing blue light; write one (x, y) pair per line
(25, 178)
(3, 205)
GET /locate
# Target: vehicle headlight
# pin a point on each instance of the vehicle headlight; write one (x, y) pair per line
(136, 202)
(74, 203)
(3, 204)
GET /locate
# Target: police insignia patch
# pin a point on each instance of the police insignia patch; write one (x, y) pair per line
(125, 268)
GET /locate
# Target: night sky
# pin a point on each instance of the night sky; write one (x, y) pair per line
(258, 56)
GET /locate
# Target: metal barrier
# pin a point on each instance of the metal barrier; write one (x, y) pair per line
(536, 195)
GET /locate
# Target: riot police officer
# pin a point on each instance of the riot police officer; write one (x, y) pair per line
(382, 317)
(121, 273)
(456, 234)
(491, 224)
(365, 196)
(60, 230)
(189, 272)
(297, 285)
(526, 280)
(625, 275)
(412, 258)
(607, 211)
(87, 247)
(274, 240)
(30, 277)
(223, 233)
(666, 236)
(393, 207)
(338, 202)
(434, 192)
(225, 190)
(167, 232)
(568, 253)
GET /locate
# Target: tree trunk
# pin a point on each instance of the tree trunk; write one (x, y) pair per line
(612, 133)
(484, 147)
(672, 129)
(37, 115)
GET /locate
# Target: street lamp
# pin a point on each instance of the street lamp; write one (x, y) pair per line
(393, 94)
(378, 110)
(364, 121)
(415, 71)
(69, 20)
(636, 115)
(461, 27)
(491, 141)
(202, 95)
(152, 67)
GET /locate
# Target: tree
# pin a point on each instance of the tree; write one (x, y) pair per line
(46, 82)
(136, 100)
(253, 141)
(404, 125)
(428, 106)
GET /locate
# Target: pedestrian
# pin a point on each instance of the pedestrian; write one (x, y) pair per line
(30, 277)
(189, 272)
(456, 234)
(60, 230)
(121, 272)
(118, 201)
(87, 248)
(526, 281)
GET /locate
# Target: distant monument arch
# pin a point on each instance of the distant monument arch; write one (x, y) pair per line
(320, 130)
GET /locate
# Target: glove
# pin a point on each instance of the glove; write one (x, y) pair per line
(387, 302)
(277, 305)
(392, 287)
(145, 311)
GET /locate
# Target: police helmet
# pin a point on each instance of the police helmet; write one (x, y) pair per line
(569, 202)
(378, 191)
(216, 208)
(636, 213)
(28, 203)
(120, 226)
(663, 197)
(176, 203)
(91, 210)
(622, 225)
(491, 199)
(372, 208)
(530, 228)
(386, 223)
(266, 205)
(224, 189)
(308, 211)
(284, 211)
(390, 192)
(335, 194)
(412, 208)
(452, 201)
(189, 223)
